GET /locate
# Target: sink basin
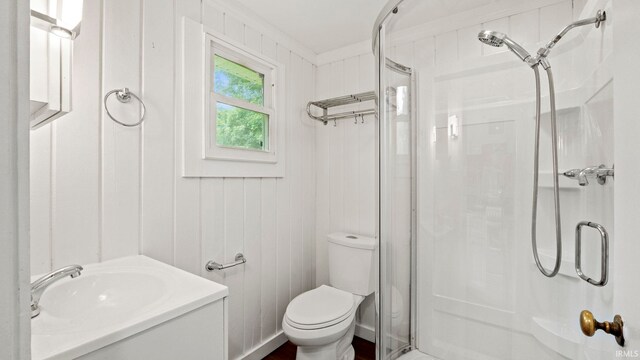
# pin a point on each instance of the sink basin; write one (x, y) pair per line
(95, 300)
(111, 301)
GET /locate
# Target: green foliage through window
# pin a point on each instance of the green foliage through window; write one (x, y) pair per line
(241, 128)
(237, 81)
(235, 126)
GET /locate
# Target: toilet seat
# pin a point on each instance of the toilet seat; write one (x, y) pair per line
(320, 308)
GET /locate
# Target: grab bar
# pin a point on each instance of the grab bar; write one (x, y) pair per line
(212, 265)
(604, 262)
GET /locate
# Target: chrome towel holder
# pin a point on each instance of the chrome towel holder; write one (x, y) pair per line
(212, 265)
(326, 104)
(124, 96)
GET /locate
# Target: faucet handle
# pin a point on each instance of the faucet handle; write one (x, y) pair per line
(572, 174)
(603, 172)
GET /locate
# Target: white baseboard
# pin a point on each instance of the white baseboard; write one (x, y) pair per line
(365, 332)
(266, 348)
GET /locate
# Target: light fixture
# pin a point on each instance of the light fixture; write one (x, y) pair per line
(65, 24)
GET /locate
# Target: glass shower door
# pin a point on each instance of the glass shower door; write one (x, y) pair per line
(479, 294)
(396, 210)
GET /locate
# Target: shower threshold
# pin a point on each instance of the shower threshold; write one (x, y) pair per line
(416, 355)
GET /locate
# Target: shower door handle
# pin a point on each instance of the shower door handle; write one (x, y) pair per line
(604, 261)
(590, 325)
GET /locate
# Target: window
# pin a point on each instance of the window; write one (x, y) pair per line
(232, 107)
(241, 124)
(245, 126)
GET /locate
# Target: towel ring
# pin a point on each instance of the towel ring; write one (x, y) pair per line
(124, 96)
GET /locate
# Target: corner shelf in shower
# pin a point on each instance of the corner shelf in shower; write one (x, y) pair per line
(327, 104)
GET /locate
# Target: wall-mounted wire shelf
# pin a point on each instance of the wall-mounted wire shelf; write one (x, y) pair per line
(325, 105)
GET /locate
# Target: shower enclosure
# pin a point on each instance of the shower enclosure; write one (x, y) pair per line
(457, 136)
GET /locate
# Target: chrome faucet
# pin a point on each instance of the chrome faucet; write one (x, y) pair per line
(40, 285)
(600, 172)
(589, 171)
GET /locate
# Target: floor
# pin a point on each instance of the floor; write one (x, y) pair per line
(365, 350)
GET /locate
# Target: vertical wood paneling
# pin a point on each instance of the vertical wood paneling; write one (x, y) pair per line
(186, 245)
(252, 250)
(158, 165)
(336, 153)
(308, 181)
(212, 225)
(233, 28)
(346, 166)
(367, 155)
(283, 266)
(268, 248)
(213, 18)
(323, 185)
(269, 245)
(351, 154)
(234, 277)
(294, 162)
(187, 224)
(40, 199)
(76, 154)
(121, 145)
(253, 39)
(184, 221)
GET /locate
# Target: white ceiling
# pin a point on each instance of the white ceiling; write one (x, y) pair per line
(323, 25)
(320, 25)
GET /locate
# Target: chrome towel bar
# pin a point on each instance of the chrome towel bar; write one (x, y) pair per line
(325, 105)
(212, 265)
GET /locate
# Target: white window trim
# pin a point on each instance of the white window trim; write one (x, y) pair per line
(201, 157)
(212, 149)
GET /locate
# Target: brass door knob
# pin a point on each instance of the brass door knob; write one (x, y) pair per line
(590, 325)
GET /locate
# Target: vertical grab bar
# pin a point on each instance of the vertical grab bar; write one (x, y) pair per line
(604, 260)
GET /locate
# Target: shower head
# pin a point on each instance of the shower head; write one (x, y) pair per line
(492, 38)
(497, 39)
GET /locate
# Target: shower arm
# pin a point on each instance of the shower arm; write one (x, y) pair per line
(544, 51)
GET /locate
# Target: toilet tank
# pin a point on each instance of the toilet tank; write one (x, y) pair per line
(352, 263)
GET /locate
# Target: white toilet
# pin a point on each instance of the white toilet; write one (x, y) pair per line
(321, 322)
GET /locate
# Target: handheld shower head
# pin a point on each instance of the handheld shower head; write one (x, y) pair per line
(492, 38)
(497, 39)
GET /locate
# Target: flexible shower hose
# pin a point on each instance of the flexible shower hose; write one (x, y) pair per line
(556, 190)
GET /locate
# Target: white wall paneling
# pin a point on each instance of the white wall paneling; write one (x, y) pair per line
(346, 167)
(14, 181)
(121, 146)
(215, 218)
(87, 188)
(105, 191)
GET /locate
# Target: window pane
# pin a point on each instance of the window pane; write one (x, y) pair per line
(241, 128)
(237, 81)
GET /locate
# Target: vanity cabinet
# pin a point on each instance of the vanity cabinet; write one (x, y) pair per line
(199, 334)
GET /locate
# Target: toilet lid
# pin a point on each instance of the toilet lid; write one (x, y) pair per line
(320, 307)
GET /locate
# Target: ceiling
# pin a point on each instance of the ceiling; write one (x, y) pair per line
(320, 25)
(323, 25)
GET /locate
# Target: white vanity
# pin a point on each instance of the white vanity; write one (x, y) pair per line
(131, 308)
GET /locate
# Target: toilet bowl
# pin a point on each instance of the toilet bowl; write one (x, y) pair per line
(321, 322)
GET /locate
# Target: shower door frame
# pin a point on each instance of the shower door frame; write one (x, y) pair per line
(383, 147)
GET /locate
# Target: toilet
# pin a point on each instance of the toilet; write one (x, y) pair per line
(321, 322)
